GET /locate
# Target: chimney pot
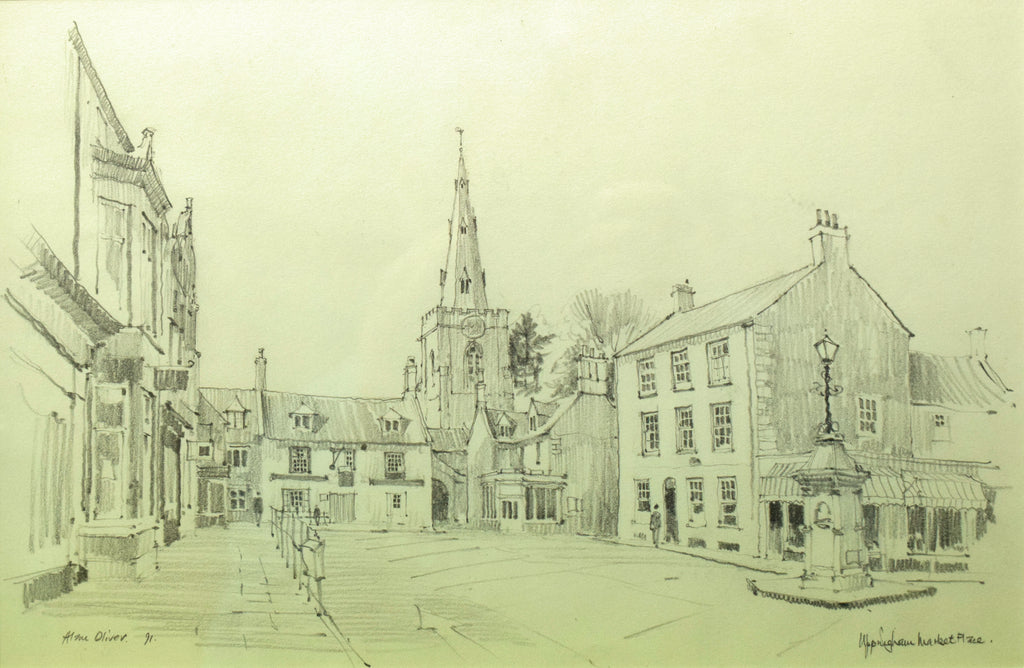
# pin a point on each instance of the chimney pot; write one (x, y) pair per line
(188, 203)
(835, 221)
(819, 216)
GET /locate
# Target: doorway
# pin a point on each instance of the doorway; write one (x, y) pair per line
(671, 517)
(342, 507)
(439, 501)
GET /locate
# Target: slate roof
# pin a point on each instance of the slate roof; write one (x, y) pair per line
(341, 419)
(448, 440)
(963, 383)
(104, 101)
(732, 309)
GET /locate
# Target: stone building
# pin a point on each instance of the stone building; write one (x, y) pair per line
(717, 411)
(101, 378)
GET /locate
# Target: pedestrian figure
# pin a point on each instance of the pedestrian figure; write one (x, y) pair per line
(316, 515)
(655, 524)
(257, 508)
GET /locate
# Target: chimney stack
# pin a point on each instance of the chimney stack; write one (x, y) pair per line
(410, 375)
(146, 147)
(592, 368)
(977, 338)
(261, 371)
(683, 295)
(480, 389)
(829, 241)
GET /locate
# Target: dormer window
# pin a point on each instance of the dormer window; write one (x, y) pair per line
(505, 431)
(533, 423)
(391, 425)
(304, 418)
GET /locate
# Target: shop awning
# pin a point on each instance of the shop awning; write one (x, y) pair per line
(945, 490)
(887, 486)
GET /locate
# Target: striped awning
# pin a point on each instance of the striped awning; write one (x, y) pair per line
(887, 486)
(945, 490)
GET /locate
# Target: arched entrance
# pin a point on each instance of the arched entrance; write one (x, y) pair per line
(671, 518)
(439, 501)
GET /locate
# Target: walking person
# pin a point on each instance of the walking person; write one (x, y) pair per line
(316, 515)
(655, 524)
(257, 508)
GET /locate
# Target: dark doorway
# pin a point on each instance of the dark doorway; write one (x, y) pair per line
(439, 501)
(671, 518)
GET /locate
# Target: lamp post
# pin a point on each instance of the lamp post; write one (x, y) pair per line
(827, 349)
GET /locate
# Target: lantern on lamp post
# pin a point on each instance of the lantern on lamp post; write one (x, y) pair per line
(827, 350)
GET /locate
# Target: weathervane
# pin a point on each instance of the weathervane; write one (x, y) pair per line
(460, 131)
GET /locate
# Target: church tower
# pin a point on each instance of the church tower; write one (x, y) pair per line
(463, 343)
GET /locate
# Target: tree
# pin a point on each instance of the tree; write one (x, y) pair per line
(526, 353)
(603, 322)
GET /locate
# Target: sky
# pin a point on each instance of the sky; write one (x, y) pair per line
(613, 146)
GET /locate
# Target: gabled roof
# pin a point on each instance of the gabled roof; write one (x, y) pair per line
(518, 421)
(963, 383)
(101, 92)
(734, 309)
(236, 406)
(341, 419)
(221, 398)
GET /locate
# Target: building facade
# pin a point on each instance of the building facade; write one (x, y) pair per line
(101, 380)
(550, 469)
(717, 411)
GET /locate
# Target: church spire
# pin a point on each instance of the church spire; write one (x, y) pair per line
(462, 280)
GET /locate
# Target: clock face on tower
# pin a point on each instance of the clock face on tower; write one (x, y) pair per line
(473, 327)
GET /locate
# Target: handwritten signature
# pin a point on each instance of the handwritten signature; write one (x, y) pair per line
(889, 641)
(106, 637)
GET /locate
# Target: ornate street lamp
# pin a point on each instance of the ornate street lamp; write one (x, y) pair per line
(827, 349)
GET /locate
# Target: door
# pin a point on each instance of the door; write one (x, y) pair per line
(397, 510)
(439, 501)
(342, 507)
(775, 529)
(510, 520)
(671, 518)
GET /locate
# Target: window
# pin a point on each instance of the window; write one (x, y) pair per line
(296, 500)
(533, 423)
(684, 429)
(867, 415)
(727, 502)
(718, 362)
(721, 426)
(643, 496)
(303, 421)
(541, 503)
(110, 406)
(394, 465)
(391, 425)
(236, 499)
(396, 502)
(645, 371)
(489, 510)
(474, 364)
(509, 510)
(940, 431)
(681, 370)
(696, 488)
(236, 419)
(298, 460)
(649, 425)
(464, 283)
(238, 457)
(112, 231)
(346, 460)
(203, 451)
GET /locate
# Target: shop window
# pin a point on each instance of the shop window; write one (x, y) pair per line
(727, 502)
(696, 508)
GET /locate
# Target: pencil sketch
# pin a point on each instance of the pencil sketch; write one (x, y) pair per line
(635, 484)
